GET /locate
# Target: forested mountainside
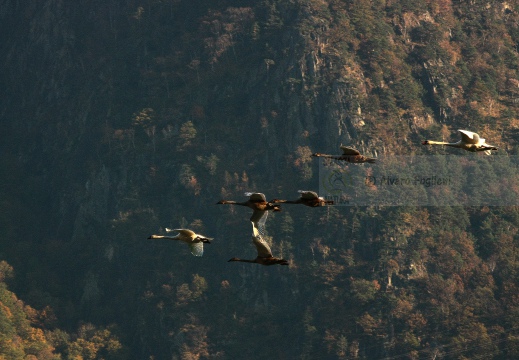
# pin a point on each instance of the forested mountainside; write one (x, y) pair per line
(121, 118)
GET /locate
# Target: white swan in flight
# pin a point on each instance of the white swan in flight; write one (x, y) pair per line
(469, 141)
(193, 240)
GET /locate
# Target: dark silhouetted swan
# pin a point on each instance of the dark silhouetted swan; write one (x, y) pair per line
(264, 253)
(308, 198)
(257, 202)
(348, 154)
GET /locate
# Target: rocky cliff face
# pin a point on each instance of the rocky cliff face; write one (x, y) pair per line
(120, 118)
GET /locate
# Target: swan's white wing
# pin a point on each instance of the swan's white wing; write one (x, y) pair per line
(346, 150)
(262, 247)
(197, 248)
(469, 137)
(256, 196)
(308, 194)
(186, 232)
(258, 219)
(483, 142)
(257, 215)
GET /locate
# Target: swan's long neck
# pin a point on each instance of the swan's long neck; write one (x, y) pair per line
(323, 155)
(243, 260)
(431, 142)
(163, 237)
(286, 201)
(231, 202)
